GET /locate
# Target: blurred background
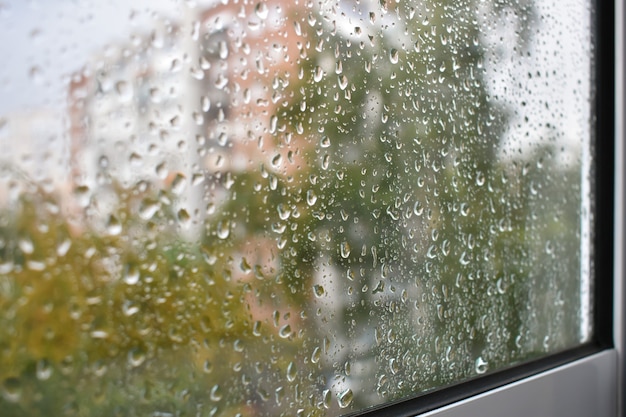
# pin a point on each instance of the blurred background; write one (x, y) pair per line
(263, 208)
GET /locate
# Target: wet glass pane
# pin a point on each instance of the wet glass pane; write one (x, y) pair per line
(233, 208)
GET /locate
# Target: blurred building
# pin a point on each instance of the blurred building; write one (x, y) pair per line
(180, 107)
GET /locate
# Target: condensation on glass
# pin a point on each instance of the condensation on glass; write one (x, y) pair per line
(286, 208)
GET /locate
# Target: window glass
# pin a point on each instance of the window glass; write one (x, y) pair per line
(286, 208)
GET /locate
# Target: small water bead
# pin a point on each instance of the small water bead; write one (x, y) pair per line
(291, 372)
(129, 309)
(261, 11)
(326, 398)
(179, 184)
(26, 245)
(345, 398)
(318, 290)
(113, 226)
(216, 393)
(481, 366)
(283, 211)
(316, 355)
(184, 219)
(325, 161)
(148, 209)
(394, 56)
(136, 357)
(344, 249)
(256, 328)
(205, 103)
(223, 49)
(277, 160)
(44, 369)
(318, 74)
(36, 74)
(131, 275)
(124, 90)
(223, 229)
(285, 331)
(343, 81)
(311, 197)
(12, 389)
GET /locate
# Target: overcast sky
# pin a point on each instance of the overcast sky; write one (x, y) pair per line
(43, 42)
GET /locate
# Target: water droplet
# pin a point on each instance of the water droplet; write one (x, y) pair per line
(297, 28)
(344, 249)
(325, 161)
(136, 357)
(129, 309)
(326, 398)
(223, 229)
(176, 65)
(64, 247)
(221, 81)
(480, 178)
(318, 290)
(256, 328)
(261, 10)
(291, 372)
(124, 90)
(205, 103)
(318, 74)
(155, 95)
(343, 81)
(216, 393)
(311, 197)
(394, 56)
(285, 331)
(344, 399)
(394, 367)
(26, 245)
(12, 389)
(338, 67)
(113, 226)
(283, 211)
(222, 139)
(223, 49)
(501, 285)
(148, 208)
(99, 334)
(131, 274)
(161, 170)
(178, 184)
(44, 369)
(316, 355)
(464, 209)
(481, 366)
(325, 142)
(280, 394)
(184, 218)
(277, 160)
(36, 74)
